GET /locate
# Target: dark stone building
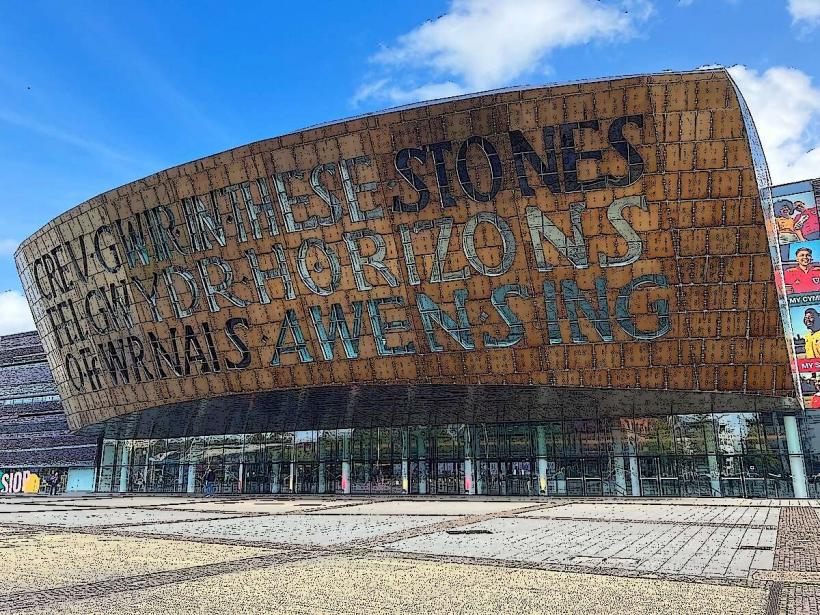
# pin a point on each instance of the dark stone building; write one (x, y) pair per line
(34, 434)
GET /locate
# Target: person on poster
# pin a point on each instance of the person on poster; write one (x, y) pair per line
(805, 276)
(811, 319)
(806, 220)
(787, 232)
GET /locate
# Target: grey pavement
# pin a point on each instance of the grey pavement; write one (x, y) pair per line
(713, 543)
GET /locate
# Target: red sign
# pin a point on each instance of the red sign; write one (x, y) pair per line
(808, 365)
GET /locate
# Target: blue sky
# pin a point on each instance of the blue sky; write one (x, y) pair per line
(94, 95)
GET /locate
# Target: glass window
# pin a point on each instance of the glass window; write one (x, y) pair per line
(194, 449)
(518, 441)
(254, 449)
(176, 448)
(382, 444)
(399, 444)
(655, 435)
(214, 452)
(328, 445)
(446, 439)
(691, 433)
(139, 454)
(280, 446)
(233, 448)
(157, 449)
(360, 442)
(731, 432)
(419, 442)
(109, 453)
(575, 436)
(305, 442)
(754, 439)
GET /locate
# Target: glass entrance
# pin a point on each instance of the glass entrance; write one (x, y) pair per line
(592, 477)
(386, 478)
(668, 476)
(489, 478)
(257, 478)
(307, 478)
(650, 474)
(518, 477)
(695, 480)
(448, 478)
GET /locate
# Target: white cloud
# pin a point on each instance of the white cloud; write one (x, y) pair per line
(8, 246)
(786, 109)
(805, 12)
(398, 94)
(483, 44)
(15, 316)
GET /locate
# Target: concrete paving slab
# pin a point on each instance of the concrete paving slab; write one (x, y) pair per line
(128, 501)
(346, 586)
(310, 529)
(424, 507)
(44, 560)
(272, 507)
(707, 551)
(26, 508)
(102, 517)
(134, 569)
(606, 511)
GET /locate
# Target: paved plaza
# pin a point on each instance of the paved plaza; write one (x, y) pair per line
(165, 554)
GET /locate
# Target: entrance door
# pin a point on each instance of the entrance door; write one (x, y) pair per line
(257, 478)
(489, 478)
(753, 478)
(421, 477)
(307, 478)
(333, 478)
(649, 475)
(592, 477)
(694, 477)
(574, 477)
(731, 476)
(448, 478)
(518, 477)
(668, 476)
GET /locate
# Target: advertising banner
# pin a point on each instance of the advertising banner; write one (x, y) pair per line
(798, 238)
(19, 481)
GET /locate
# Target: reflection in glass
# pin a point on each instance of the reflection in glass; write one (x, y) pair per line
(702, 455)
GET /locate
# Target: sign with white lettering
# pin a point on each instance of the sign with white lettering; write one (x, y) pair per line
(22, 481)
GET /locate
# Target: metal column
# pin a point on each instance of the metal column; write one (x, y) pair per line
(796, 464)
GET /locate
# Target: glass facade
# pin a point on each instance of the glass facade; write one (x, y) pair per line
(734, 455)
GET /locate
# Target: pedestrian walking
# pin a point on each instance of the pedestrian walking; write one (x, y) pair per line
(210, 478)
(53, 482)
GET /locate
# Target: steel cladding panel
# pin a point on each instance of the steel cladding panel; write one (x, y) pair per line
(606, 235)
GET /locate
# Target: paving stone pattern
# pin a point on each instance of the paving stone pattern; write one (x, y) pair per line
(678, 549)
(293, 529)
(347, 554)
(798, 551)
(720, 515)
